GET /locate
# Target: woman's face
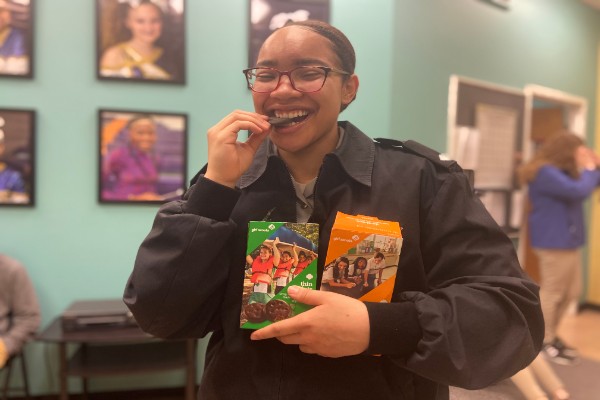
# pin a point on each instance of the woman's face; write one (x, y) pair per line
(5, 19)
(142, 135)
(362, 263)
(284, 50)
(341, 265)
(145, 23)
(264, 254)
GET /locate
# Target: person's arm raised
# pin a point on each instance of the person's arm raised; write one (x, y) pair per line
(229, 158)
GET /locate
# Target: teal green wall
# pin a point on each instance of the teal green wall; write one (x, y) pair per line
(75, 248)
(552, 43)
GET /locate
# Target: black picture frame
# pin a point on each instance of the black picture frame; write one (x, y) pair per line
(16, 45)
(142, 156)
(17, 157)
(124, 27)
(268, 15)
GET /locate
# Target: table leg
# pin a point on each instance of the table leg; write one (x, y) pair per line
(84, 382)
(62, 378)
(190, 387)
(84, 379)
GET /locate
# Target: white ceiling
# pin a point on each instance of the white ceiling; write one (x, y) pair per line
(593, 3)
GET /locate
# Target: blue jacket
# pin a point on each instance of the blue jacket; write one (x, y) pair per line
(556, 217)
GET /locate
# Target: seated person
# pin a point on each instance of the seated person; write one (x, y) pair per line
(357, 272)
(335, 278)
(19, 308)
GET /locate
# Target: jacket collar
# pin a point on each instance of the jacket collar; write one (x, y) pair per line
(356, 155)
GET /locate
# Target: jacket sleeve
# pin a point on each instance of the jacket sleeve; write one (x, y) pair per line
(180, 272)
(25, 311)
(479, 320)
(555, 183)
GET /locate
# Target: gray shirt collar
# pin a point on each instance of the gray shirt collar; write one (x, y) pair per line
(356, 154)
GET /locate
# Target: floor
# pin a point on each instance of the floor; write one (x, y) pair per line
(582, 331)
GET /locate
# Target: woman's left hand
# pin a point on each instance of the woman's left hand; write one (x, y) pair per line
(337, 326)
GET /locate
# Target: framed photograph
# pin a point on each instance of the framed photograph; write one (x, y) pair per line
(142, 156)
(140, 40)
(268, 15)
(17, 157)
(16, 38)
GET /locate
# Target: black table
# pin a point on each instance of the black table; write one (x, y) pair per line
(114, 350)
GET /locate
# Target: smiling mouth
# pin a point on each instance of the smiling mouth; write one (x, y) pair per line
(289, 119)
(275, 121)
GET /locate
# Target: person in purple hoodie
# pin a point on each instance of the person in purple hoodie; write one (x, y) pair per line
(560, 177)
(131, 172)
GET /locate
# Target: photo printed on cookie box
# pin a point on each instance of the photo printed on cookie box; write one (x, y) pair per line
(278, 255)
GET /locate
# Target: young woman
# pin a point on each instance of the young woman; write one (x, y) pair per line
(139, 56)
(336, 275)
(462, 313)
(357, 271)
(560, 177)
(131, 172)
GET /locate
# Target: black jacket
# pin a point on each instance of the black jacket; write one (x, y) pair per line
(462, 314)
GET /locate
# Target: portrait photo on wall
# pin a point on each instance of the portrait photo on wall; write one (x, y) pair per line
(17, 148)
(141, 40)
(142, 156)
(16, 38)
(268, 15)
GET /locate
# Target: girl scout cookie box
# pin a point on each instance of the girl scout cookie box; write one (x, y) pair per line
(362, 258)
(279, 254)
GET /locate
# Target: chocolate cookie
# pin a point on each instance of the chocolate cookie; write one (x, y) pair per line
(278, 310)
(255, 312)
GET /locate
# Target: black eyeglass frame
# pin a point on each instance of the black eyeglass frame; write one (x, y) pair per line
(288, 73)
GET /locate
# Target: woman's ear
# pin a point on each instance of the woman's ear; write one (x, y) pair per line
(349, 89)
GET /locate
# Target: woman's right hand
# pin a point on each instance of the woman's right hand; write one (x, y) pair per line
(228, 158)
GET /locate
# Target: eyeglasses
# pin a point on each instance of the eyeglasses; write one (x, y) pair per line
(303, 79)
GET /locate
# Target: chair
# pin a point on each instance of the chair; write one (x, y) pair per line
(7, 371)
